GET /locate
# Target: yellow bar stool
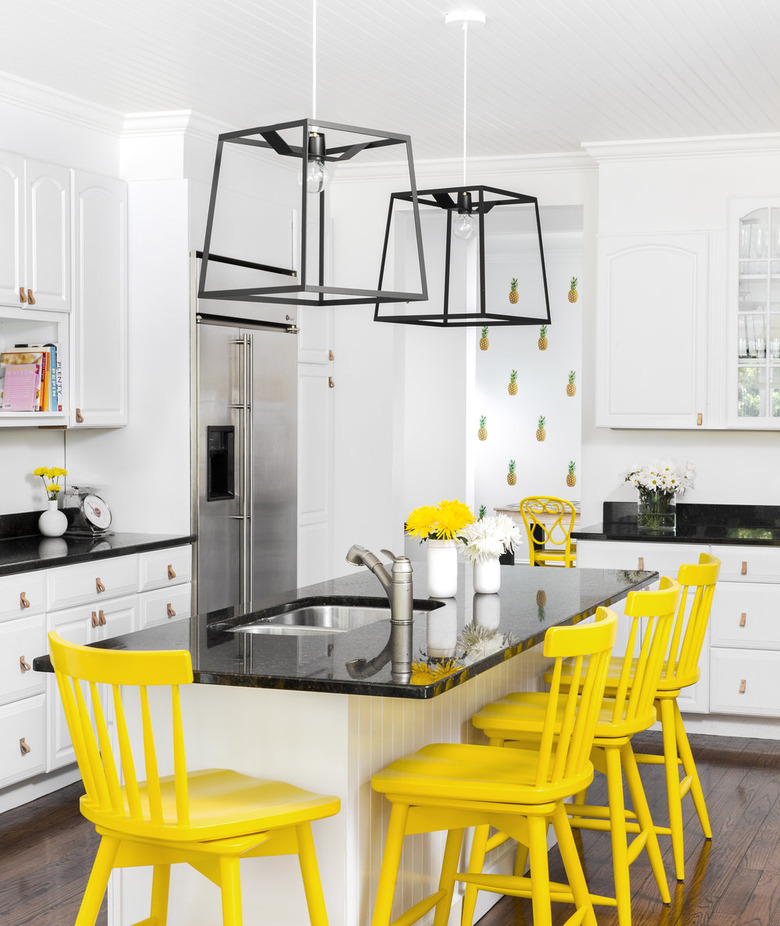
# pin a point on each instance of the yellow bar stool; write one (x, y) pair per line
(209, 819)
(549, 521)
(518, 720)
(521, 791)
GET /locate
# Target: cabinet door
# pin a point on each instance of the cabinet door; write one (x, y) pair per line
(11, 228)
(100, 311)
(20, 642)
(47, 206)
(22, 740)
(651, 331)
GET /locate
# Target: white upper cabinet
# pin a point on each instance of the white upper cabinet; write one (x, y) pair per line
(12, 269)
(754, 314)
(99, 344)
(652, 331)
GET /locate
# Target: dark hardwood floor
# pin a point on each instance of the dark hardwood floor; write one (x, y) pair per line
(46, 850)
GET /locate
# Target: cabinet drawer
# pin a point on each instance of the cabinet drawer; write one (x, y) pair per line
(162, 568)
(748, 564)
(97, 620)
(22, 594)
(165, 605)
(20, 642)
(665, 558)
(22, 740)
(744, 682)
(92, 582)
(746, 615)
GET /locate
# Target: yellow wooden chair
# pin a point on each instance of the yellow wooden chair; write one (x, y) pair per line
(453, 786)
(519, 719)
(209, 819)
(549, 521)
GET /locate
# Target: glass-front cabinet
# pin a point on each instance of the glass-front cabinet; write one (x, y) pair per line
(754, 336)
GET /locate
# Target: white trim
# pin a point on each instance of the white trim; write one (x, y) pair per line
(174, 122)
(703, 146)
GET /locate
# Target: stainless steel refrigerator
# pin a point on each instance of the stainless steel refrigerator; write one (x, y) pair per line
(247, 393)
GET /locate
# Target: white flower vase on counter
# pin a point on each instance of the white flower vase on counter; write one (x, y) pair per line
(442, 568)
(53, 522)
(487, 576)
(442, 636)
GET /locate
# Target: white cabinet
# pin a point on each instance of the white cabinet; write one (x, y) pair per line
(754, 314)
(652, 331)
(99, 343)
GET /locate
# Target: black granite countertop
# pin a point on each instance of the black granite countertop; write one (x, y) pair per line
(358, 661)
(757, 525)
(23, 549)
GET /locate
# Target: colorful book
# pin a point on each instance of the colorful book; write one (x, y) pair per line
(21, 387)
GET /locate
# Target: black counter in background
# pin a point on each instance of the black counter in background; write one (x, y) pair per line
(758, 525)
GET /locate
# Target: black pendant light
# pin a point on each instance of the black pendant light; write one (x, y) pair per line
(276, 179)
(485, 239)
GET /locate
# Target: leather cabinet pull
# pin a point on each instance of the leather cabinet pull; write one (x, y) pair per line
(169, 609)
(743, 619)
(744, 567)
(24, 665)
(79, 417)
(641, 563)
(23, 747)
(101, 619)
(22, 294)
(699, 419)
(23, 601)
(742, 686)
(30, 297)
(99, 586)
(331, 384)
(171, 573)
(94, 619)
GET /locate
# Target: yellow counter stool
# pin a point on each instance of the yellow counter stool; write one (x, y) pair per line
(520, 718)
(209, 819)
(549, 521)
(520, 791)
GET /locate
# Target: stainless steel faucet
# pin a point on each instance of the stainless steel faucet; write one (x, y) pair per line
(399, 590)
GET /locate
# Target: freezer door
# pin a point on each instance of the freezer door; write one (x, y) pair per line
(221, 424)
(273, 481)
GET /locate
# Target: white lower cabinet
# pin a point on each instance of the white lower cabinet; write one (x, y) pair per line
(22, 739)
(164, 605)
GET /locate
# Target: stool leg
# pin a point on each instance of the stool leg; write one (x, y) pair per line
(476, 864)
(98, 881)
(312, 884)
(230, 881)
(161, 880)
(617, 825)
(449, 868)
(645, 820)
(689, 766)
(391, 859)
(573, 865)
(673, 797)
(540, 872)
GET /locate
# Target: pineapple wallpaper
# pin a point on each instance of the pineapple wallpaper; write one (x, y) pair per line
(527, 387)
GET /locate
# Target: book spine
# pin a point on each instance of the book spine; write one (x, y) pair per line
(53, 400)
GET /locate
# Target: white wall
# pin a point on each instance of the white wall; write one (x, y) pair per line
(686, 186)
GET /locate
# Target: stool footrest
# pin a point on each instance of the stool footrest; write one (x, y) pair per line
(514, 885)
(418, 911)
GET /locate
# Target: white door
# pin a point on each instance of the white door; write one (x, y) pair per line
(47, 207)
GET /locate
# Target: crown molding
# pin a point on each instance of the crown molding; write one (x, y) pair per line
(696, 147)
(173, 122)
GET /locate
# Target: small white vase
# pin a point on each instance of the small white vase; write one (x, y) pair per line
(442, 568)
(487, 576)
(53, 522)
(443, 631)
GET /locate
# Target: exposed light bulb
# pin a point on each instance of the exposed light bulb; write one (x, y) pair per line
(463, 226)
(316, 176)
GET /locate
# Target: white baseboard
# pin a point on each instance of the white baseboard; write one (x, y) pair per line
(33, 788)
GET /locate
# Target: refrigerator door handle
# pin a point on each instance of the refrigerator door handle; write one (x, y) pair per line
(250, 457)
(246, 462)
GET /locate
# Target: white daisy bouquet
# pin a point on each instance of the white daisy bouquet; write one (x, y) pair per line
(489, 537)
(661, 476)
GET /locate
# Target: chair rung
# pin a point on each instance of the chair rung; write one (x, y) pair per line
(418, 911)
(514, 885)
(636, 846)
(685, 785)
(603, 901)
(496, 840)
(594, 810)
(600, 826)
(149, 921)
(651, 759)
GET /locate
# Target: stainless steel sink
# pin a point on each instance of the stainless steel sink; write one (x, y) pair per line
(330, 618)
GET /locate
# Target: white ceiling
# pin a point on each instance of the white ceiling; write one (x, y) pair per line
(544, 75)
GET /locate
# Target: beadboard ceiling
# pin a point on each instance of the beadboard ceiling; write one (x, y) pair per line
(544, 75)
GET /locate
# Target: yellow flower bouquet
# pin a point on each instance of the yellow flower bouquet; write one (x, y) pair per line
(51, 476)
(444, 521)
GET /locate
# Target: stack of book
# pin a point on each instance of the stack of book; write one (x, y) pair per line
(31, 379)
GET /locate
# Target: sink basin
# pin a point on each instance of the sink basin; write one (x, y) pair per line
(328, 618)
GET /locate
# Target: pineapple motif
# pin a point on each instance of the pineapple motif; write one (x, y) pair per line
(541, 598)
(484, 342)
(573, 291)
(571, 479)
(482, 433)
(512, 388)
(570, 386)
(482, 512)
(540, 432)
(542, 342)
(511, 476)
(513, 293)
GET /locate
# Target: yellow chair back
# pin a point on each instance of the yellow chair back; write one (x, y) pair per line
(79, 671)
(698, 588)
(567, 735)
(652, 615)
(549, 520)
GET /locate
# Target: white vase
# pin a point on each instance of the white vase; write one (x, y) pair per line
(443, 631)
(442, 568)
(487, 576)
(53, 522)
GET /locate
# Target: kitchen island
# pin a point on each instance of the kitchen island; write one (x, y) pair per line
(321, 710)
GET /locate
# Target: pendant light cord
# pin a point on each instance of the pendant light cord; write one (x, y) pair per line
(465, 88)
(314, 59)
